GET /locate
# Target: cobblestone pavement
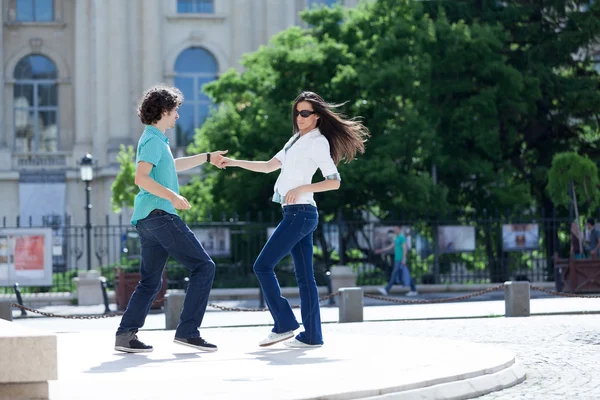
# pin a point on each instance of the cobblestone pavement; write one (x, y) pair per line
(561, 354)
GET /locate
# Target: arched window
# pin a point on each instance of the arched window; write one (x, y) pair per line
(193, 68)
(36, 105)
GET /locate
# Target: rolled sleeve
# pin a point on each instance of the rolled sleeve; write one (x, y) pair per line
(150, 151)
(322, 157)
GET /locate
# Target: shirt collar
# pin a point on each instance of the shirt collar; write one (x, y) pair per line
(314, 132)
(154, 130)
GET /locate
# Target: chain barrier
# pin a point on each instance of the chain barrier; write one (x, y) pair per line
(323, 298)
(223, 308)
(432, 301)
(555, 293)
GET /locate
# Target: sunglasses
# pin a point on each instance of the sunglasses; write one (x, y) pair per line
(303, 113)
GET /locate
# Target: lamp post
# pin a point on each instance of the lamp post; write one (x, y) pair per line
(87, 175)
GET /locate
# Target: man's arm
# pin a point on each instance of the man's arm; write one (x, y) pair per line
(404, 251)
(256, 166)
(384, 249)
(185, 163)
(143, 180)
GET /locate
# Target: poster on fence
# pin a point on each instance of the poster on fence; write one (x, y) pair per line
(519, 237)
(384, 236)
(456, 238)
(216, 241)
(26, 257)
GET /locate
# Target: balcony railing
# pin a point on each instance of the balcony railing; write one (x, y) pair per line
(55, 160)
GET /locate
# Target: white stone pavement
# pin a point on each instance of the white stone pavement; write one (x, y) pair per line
(350, 366)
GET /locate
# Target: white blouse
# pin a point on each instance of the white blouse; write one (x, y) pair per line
(300, 158)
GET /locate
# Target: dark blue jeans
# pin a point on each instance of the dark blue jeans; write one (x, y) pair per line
(401, 271)
(294, 235)
(162, 235)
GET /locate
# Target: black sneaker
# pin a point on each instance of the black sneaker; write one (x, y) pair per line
(129, 343)
(197, 343)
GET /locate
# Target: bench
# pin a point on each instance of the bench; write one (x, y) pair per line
(28, 361)
(577, 276)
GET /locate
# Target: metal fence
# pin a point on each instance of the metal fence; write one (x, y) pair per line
(438, 254)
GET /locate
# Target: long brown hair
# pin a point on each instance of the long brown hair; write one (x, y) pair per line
(346, 137)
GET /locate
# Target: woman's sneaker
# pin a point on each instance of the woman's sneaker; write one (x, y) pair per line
(196, 343)
(275, 338)
(129, 343)
(296, 344)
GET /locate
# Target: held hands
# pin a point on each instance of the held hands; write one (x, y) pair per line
(180, 202)
(228, 162)
(216, 158)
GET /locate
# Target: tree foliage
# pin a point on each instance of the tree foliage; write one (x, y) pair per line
(482, 92)
(570, 170)
(124, 189)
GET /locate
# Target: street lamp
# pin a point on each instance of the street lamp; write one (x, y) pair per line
(87, 175)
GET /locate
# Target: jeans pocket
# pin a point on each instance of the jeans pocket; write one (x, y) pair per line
(160, 229)
(309, 225)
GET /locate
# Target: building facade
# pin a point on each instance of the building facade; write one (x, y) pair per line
(73, 71)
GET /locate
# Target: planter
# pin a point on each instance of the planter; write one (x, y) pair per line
(125, 283)
(577, 276)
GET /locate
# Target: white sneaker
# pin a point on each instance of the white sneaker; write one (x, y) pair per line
(383, 291)
(276, 338)
(296, 344)
(412, 293)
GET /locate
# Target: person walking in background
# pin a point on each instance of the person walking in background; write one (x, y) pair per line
(593, 245)
(162, 233)
(400, 270)
(321, 139)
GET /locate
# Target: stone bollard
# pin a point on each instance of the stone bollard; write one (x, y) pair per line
(351, 304)
(173, 307)
(342, 277)
(516, 299)
(89, 290)
(6, 310)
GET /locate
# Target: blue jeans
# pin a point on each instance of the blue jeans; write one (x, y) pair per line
(401, 271)
(162, 235)
(294, 235)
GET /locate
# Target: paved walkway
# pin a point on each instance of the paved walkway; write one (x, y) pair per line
(353, 364)
(560, 353)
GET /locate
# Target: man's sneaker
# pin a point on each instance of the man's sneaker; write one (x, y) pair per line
(296, 344)
(383, 291)
(197, 343)
(412, 293)
(276, 338)
(129, 343)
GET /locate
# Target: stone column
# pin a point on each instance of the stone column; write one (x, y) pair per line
(85, 84)
(3, 129)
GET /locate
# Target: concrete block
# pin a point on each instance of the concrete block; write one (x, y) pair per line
(351, 305)
(89, 290)
(6, 310)
(342, 277)
(173, 307)
(517, 299)
(28, 362)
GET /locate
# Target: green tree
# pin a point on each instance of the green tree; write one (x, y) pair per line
(573, 177)
(124, 189)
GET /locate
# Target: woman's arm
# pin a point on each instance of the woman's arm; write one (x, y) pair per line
(256, 166)
(324, 186)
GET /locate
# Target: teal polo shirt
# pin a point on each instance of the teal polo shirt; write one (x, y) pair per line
(153, 147)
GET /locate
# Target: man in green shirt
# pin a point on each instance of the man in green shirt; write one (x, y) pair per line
(400, 269)
(162, 232)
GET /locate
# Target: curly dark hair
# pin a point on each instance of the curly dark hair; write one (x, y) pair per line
(346, 136)
(156, 101)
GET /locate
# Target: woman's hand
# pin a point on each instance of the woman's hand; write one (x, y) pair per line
(292, 195)
(227, 162)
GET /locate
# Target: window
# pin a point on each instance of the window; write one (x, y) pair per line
(35, 10)
(35, 105)
(193, 68)
(328, 3)
(196, 6)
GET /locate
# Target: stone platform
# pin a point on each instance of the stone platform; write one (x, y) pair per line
(349, 366)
